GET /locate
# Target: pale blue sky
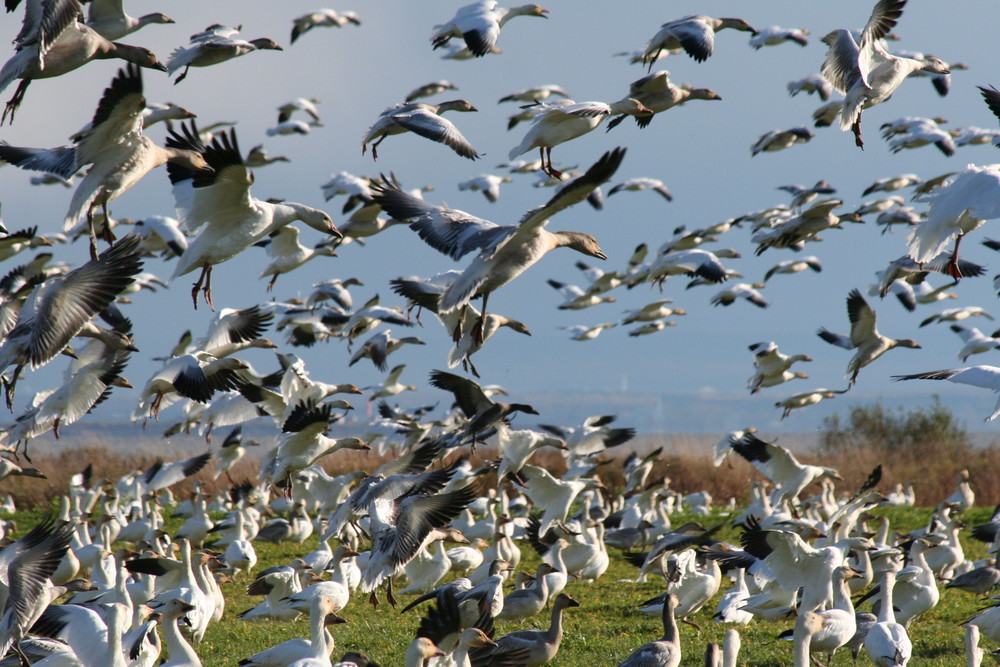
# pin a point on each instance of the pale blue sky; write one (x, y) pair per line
(702, 152)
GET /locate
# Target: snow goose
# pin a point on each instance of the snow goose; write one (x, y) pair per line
(216, 44)
(86, 382)
(807, 626)
(866, 73)
(779, 465)
(61, 308)
(220, 200)
(399, 528)
(516, 447)
(488, 184)
(790, 266)
(534, 94)
(976, 341)
(695, 263)
(771, 365)
(288, 254)
(955, 210)
(584, 332)
(504, 251)
(25, 568)
(303, 441)
(541, 645)
(576, 298)
(423, 119)
(643, 183)
(652, 311)
(695, 34)
(814, 83)
(321, 18)
(258, 156)
(664, 652)
(115, 147)
(553, 496)
(195, 376)
(53, 42)
(839, 623)
(289, 127)
(940, 138)
(320, 643)
(779, 140)
(479, 24)
(481, 411)
(887, 643)
(380, 346)
(180, 651)
(864, 338)
(109, 20)
(524, 603)
(774, 35)
(557, 124)
(429, 90)
(747, 291)
(980, 581)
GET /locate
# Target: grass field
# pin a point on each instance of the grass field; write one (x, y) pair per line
(602, 631)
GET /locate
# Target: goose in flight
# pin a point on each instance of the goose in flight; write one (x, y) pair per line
(559, 123)
(987, 377)
(326, 18)
(423, 119)
(219, 202)
(53, 42)
(61, 308)
(114, 146)
(864, 338)
(505, 251)
(695, 34)
(866, 73)
(215, 44)
(479, 24)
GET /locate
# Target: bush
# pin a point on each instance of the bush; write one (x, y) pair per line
(885, 431)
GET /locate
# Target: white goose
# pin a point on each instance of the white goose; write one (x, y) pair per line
(479, 24)
(864, 338)
(423, 119)
(220, 200)
(109, 20)
(115, 147)
(504, 251)
(216, 44)
(866, 73)
(556, 124)
(288, 254)
(887, 643)
(53, 42)
(319, 645)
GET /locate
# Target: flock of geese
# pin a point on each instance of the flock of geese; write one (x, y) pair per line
(798, 555)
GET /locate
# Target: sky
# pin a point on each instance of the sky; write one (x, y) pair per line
(690, 377)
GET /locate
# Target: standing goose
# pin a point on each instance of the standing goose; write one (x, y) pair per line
(695, 34)
(664, 652)
(505, 251)
(541, 645)
(887, 643)
(864, 338)
(866, 73)
(479, 24)
(220, 199)
(423, 119)
(53, 42)
(115, 147)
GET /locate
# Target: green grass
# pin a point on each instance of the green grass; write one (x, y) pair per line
(602, 631)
